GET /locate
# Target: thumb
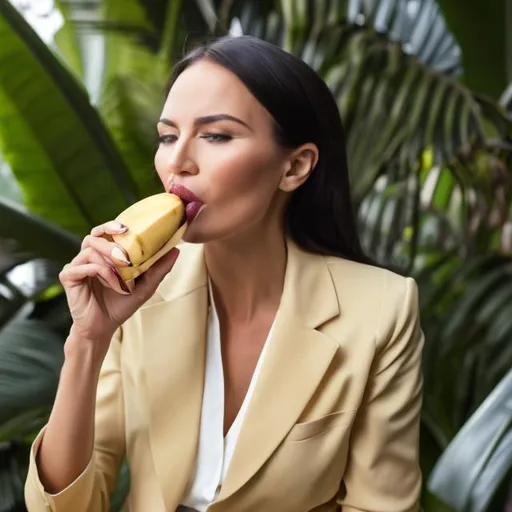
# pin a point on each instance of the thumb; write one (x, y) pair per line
(147, 283)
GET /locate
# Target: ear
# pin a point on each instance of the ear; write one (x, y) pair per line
(298, 166)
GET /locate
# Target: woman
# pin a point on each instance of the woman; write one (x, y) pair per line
(274, 368)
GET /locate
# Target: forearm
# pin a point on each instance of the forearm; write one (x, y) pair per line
(67, 445)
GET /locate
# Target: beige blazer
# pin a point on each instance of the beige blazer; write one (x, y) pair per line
(334, 420)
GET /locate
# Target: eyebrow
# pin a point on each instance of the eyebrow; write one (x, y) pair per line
(207, 120)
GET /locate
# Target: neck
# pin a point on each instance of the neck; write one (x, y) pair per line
(247, 274)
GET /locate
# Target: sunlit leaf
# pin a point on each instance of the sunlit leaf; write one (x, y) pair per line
(53, 139)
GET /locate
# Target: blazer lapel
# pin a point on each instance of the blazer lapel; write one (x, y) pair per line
(296, 359)
(174, 358)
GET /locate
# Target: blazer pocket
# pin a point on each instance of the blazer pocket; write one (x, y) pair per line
(302, 431)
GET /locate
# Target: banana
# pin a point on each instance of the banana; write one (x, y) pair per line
(155, 225)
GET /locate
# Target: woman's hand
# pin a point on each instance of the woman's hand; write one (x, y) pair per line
(98, 299)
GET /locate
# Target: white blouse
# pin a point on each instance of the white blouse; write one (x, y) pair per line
(215, 451)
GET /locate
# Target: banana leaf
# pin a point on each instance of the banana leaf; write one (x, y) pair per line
(55, 142)
(67, 43)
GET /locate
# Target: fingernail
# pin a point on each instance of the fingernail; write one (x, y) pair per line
(122, 284)
(117, 226)
(118, 254)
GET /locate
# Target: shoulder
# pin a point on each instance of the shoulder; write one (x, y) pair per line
(381, 299)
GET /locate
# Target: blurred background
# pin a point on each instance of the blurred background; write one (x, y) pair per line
(424, 88)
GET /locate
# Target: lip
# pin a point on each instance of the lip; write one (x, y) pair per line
(193, 205)
(186, 195)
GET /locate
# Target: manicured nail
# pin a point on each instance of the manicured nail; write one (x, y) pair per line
(122, 284)
(116, 226)
(118, 254)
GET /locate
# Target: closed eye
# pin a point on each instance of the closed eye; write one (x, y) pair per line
(210, 137)
(216, 137)
(167, 139)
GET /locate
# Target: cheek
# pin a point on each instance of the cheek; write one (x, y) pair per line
(244, 169)
(159, 162)
(241, 186)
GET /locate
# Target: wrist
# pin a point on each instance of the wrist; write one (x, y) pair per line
(87, 351)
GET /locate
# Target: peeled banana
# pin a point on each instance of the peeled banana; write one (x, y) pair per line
(155, 225)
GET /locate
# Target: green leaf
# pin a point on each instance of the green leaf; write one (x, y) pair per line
(131, 110)
(25, 426)
(8, 186)
(31, 356)
(12, 476)
(66, 41)
(481, 73)
(394, 104)
(35, 237)
(55, 142)
(480, 449)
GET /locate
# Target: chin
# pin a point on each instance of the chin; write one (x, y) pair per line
(193, 235)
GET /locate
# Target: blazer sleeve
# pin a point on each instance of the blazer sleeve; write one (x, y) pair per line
(91, 491)
(383, 472)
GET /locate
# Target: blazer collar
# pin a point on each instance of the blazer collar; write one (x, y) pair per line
(174, 323)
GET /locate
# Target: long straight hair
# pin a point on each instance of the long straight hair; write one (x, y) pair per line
(319, 216)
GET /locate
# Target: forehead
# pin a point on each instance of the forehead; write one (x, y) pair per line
(207, 88)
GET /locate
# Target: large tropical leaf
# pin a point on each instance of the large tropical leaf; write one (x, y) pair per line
(478, 460)
(139, 44)
(67, 43)
(31, 356)
(32, 252)
(34, 237)
(55, 142)
(481, 73)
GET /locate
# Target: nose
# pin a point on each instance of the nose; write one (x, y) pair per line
(181, 161)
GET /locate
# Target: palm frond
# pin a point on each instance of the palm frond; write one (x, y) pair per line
(393, 104)
(466, 310)
(475, 464)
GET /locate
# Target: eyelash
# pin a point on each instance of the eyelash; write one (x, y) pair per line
(214, 138)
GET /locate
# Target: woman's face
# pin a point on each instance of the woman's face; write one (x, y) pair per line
(217, 140)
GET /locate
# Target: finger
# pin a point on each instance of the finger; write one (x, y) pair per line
(148, 282)
(109, 250)
(90, 255)
(73, 275)
(109, 228)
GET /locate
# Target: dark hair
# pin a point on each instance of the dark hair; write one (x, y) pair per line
(319, 216)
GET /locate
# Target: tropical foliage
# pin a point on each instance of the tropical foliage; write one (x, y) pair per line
(430, 163)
